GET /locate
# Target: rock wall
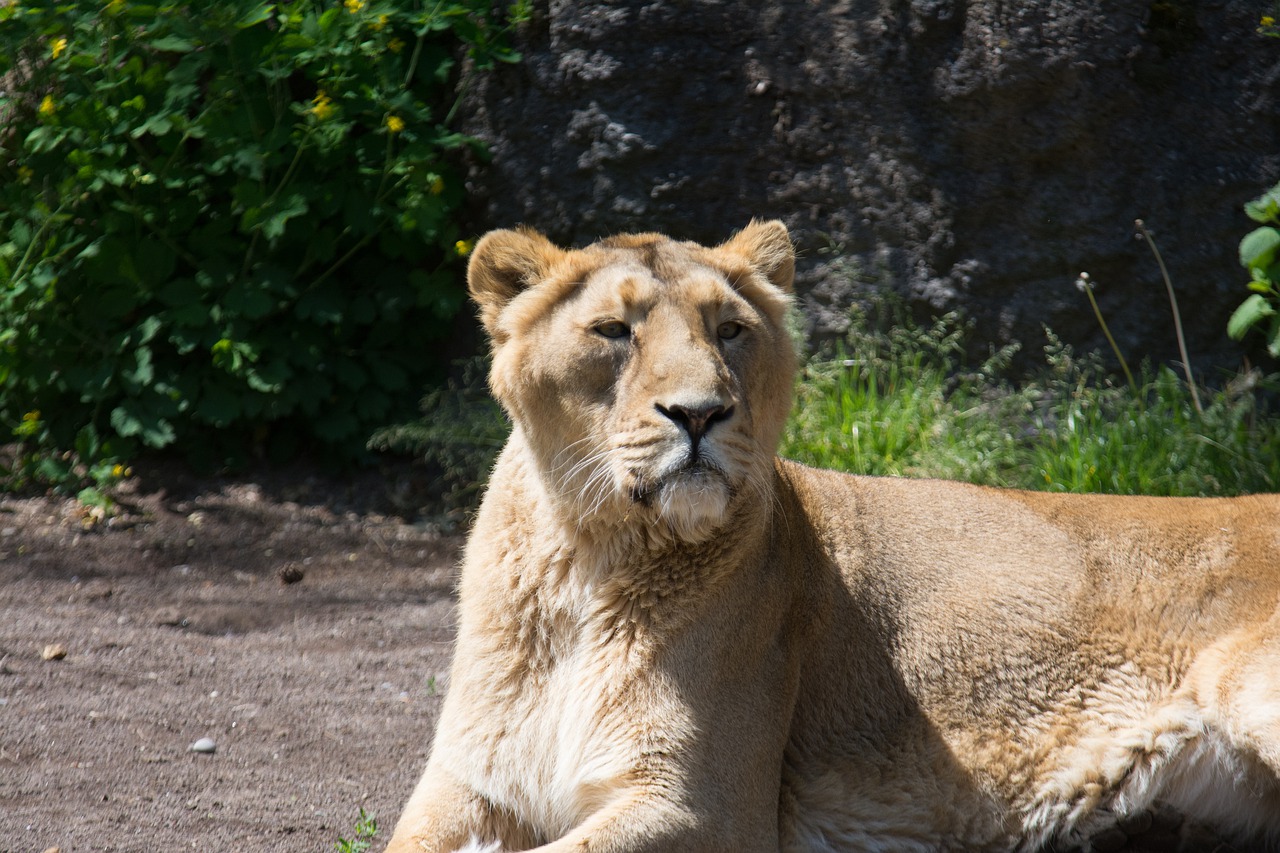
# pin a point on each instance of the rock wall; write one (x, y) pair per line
(966, 154)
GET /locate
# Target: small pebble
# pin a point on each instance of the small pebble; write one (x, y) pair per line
(204, 745)
(168, 616)
(54, 651)
(290, 573)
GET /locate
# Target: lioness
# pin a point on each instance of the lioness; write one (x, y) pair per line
(671, 640)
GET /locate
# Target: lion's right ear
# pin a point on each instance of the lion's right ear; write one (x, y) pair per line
(503, 264)
(767, 247)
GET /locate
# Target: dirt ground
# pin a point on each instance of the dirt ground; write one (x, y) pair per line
(293, 619)
(177, 622)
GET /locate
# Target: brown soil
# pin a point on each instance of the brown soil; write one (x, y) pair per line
(294, 619)
(178, 624)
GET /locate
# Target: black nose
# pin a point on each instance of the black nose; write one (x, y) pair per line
(696, 420)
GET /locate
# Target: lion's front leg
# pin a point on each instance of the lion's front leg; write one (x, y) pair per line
(443, 816)
(646, 821)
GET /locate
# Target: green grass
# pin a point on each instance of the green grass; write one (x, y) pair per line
(366, 829)
(898, 401)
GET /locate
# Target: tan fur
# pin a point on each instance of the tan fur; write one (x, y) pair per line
(753, 655)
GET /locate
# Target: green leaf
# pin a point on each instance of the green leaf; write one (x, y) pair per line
(147, 329)
(109, 303)
(107, 261)
(296, 42)
(1258, 248)
(1260, 211)
(94, 381)
(1265, 208)
(92, 496)
(53, 470)
(1250, 312)
(44, 138)
(294, 206)
(133, 418)
(155, 262)
(20, 233)
(322, 306)
(173, 44)
(143, 372)
(156, 125)
(225, 354)
(261, 384)
(256, 16)
(249, 300)
(124, 421)
(88, 444)
(1273, 345)
(327, 19)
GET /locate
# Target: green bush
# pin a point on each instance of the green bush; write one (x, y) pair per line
(227, 225)
(1260, 255)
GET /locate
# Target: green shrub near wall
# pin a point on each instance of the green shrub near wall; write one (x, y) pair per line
(226, 225)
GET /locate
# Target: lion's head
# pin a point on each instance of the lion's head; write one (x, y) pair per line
(648, 378)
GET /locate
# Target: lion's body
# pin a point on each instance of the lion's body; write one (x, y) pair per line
(670, 640)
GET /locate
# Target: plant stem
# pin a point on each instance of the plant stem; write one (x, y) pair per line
(1097, 312)
(417, 54)
(36, 238)
(140, 215)
(1177, 317)
(350, 253)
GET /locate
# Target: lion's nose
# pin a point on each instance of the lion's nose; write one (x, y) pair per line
(696, 419)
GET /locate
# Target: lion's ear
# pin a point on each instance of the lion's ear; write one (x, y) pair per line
(504, 263)
(767, 247)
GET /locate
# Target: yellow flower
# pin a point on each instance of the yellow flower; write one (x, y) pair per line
(381, 23)
(395, 45)
(30, 425)
(353, 6)
(463, 247)
(1267, 21)
(437, 186)
(47, 106)
(59, 45)
(395, 124)
(322, 105)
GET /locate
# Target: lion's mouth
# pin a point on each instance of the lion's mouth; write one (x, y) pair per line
(695, 473)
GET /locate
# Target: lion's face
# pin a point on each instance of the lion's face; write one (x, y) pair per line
(649, 378)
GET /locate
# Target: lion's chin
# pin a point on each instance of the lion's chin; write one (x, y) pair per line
(693, 503)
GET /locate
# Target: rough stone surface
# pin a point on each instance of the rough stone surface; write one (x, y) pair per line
(965, 154)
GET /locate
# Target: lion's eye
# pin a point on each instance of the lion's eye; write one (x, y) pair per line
(729, 330)
(612, 329)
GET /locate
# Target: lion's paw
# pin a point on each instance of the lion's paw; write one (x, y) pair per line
(475, 845)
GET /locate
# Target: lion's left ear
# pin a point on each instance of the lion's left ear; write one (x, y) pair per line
(503, 264)
(767, 247)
